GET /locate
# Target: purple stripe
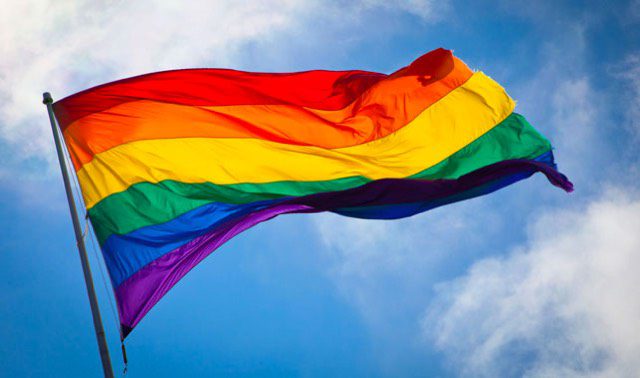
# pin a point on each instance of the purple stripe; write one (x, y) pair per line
(397, 191)
(142, 290)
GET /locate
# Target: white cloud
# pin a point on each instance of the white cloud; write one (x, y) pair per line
(565, 304)
(67, 46)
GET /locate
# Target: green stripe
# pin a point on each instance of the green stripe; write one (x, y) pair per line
(147, 204)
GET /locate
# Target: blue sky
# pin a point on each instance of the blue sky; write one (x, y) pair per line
(527, 281)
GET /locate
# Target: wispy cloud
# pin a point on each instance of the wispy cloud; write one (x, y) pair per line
(560, 100)
(67, 46)
(363, 251)
(427, 10)
(628, 71)
(564, 304)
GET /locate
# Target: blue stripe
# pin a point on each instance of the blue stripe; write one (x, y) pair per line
(126, 254)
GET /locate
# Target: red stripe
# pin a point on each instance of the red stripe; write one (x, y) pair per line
(324, 90)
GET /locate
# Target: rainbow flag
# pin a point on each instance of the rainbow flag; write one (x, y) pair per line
(173, 164)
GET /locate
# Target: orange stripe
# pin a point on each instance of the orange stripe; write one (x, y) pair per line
(317, 89)
(385, 108)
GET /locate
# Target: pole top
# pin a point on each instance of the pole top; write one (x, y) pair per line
(46, 98)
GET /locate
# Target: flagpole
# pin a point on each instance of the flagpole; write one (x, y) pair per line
(86, 269)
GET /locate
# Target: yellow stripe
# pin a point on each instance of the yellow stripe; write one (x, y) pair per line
(442, 129)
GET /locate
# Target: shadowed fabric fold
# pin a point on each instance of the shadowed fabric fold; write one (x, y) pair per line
(173, 164)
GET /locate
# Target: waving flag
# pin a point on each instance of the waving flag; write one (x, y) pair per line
(173, 164)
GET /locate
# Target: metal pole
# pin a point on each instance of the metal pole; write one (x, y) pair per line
(86, 269)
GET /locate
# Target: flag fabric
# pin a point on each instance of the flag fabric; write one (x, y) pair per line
(173, 164)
